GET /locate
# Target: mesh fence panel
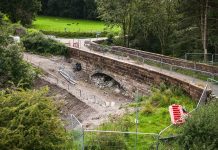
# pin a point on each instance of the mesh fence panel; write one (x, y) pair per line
(199, 57)
(101, 140)
(77, 133)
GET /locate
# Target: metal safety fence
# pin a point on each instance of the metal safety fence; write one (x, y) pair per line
(77, 133)
(208, 58)
(117, 140)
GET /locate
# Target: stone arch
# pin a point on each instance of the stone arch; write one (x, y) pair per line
(108, 75)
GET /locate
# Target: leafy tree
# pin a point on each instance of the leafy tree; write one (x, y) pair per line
(20, 10)
(163, 21)
(90, 9)
(29, 120)
(118, 13)
(201, 130)
(198, 24)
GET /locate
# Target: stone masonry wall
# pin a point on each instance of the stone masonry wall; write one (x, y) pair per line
(133, 72)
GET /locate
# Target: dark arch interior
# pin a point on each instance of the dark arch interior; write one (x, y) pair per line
(105, 80)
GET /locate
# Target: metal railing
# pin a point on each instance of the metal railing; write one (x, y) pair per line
(199, 57)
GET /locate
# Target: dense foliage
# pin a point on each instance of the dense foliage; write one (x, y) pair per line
(38, 43)
(80, 9)
(13, 68)
(201, 130)
(167, 27)
(20, 10)
(29, 120)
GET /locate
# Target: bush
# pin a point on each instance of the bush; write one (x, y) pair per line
(17, 29)
(13, 68)
(107, 141)
(38, 43)
(29, 120)
(147, 109)
(201, 130)
(74, 34)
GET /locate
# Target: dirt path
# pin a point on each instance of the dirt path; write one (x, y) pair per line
(100, 102)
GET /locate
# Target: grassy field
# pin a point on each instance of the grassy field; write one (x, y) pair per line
(57, 24)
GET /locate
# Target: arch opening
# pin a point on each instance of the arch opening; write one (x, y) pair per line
(104, 81)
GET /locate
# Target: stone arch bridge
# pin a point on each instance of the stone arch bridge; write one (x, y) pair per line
(130, 76)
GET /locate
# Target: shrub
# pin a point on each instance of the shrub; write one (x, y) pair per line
(74, 34)
(107, 141)
(201, 130)
(17, 29)
(29, 120)
(13, 68)
(32, 31)
(147, 108)
(38, 43)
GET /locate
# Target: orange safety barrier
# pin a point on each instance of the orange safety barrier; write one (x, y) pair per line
(177, 114)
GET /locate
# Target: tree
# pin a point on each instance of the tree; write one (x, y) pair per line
(163, 21)
(118, 13)
(201, 15)
(29, 120)
(20, 10)
(90, 9)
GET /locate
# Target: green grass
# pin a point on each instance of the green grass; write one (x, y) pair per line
(153, 117)
(57, 24)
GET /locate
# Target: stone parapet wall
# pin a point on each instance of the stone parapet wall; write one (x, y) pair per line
(133, 72)
(133, 53)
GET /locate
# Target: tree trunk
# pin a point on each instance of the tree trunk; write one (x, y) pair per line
(205, 31)
(129, 30)
(124, 33)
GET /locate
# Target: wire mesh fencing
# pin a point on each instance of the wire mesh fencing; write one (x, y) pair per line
(200, 57)
(215, 59)
(115, 140)
(77, 133)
